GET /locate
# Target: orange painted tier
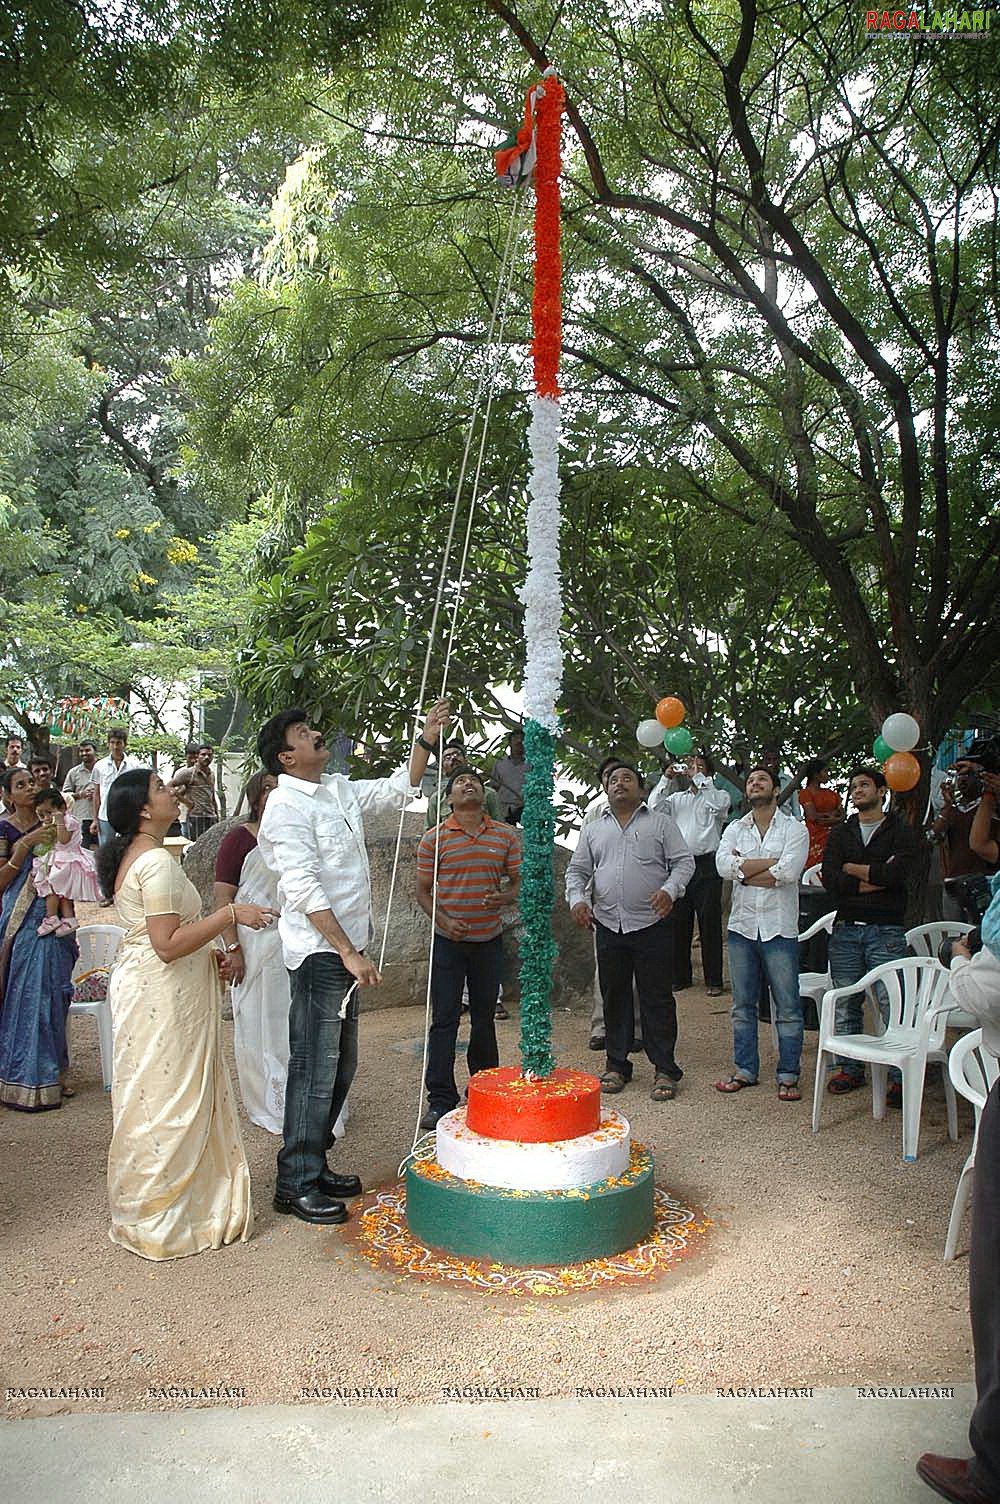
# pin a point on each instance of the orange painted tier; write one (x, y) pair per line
(502, 1104)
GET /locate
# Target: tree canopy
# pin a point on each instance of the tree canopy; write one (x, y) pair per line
(251, 258)
(780, 374)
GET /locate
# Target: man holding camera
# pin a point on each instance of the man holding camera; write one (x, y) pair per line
(966, 828)
(975, 986)
(701, 811)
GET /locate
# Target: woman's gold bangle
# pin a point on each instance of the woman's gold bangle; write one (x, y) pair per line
(232, 913)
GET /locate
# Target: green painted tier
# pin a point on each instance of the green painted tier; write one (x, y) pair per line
(530, 1227)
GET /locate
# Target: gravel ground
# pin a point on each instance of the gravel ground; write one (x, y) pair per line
(823, 1265)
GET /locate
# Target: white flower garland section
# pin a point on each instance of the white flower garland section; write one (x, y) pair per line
(541, 593)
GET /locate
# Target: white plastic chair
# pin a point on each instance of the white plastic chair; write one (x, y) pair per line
(973, 1071)
(812, 877)
(98, 947)
(925, 940)
(916, 987)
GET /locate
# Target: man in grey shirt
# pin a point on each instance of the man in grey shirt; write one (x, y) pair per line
(83, 783)
(638, 865)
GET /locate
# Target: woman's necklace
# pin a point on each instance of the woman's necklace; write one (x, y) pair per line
(144, 835)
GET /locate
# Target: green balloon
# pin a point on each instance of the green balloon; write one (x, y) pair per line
(881, 749)
(678, 740)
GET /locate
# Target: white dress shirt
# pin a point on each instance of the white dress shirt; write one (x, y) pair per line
(106, 770)
(626, 865)
(762, 913)
(699, 811)
(312, 837)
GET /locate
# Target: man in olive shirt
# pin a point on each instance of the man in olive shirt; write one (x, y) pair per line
(453, 757)
(196, 786)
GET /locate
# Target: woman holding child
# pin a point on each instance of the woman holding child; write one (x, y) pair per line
(35, 969)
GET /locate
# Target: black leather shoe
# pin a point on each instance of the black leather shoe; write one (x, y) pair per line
(339, 1185)
(429, 1121)
(314, 1206)
(596, 1042)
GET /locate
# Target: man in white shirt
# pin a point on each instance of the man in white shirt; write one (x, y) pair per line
(14, 756)
(637, 866)
(700, 810)
(312, 836)
(764, 854)
(107, 770)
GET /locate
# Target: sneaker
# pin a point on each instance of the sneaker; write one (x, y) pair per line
(66, 928)
(50, 925)
(844, 1082)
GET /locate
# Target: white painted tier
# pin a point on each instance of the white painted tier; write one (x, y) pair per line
(557, 1166)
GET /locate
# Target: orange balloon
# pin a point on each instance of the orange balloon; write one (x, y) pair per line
(670, 711)
(902, 771)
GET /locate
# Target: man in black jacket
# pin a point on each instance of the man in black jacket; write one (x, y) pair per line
(866, 865)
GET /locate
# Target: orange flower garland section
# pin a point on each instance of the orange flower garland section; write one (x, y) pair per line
(546, 311)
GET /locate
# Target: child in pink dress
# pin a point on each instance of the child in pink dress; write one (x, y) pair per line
(63, 871)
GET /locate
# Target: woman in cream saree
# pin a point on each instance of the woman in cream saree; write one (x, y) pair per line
(178, 1180)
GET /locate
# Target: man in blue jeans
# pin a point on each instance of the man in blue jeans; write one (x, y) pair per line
(866, 865)
(312, 836)
(764, 854)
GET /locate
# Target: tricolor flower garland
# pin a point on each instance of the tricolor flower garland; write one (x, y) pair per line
(542, 591)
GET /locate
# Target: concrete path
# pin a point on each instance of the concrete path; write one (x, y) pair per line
(837, 1447)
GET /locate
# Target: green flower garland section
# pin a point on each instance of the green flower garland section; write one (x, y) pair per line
(538, 948)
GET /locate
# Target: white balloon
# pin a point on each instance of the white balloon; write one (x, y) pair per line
(649, 733)
(901, 731)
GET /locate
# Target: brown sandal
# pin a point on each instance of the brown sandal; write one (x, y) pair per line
(734, 1083)
(664, 1089)
(788, 1091)
(612, 1082)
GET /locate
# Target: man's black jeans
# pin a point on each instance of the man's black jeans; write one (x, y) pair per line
(648, 956)
(455, 963)
(702, 898)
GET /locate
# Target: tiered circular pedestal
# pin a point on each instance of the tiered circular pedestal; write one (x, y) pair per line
(531, 1173)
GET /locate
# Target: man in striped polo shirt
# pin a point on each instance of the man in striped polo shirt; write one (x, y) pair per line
(474, 855)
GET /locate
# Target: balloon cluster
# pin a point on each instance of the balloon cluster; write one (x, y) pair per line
(893, 749)
(666, 728)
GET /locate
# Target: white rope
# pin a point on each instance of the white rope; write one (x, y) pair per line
(486, 380)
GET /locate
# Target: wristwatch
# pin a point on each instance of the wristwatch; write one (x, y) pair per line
(235, 946)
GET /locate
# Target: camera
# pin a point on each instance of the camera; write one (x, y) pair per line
(971, 893)
(974, 940)
(986, 751)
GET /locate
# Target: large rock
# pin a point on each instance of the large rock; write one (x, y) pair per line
(406, 955)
